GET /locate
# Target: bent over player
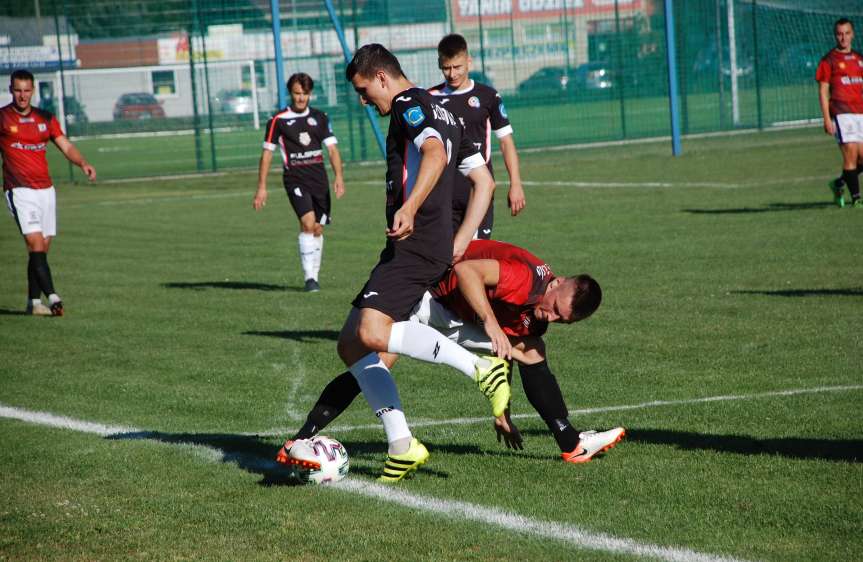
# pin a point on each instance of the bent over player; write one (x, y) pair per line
(840, 93)
(30, 196)
(426, 146)
(298, 132)
(480, 109)
(514, 295)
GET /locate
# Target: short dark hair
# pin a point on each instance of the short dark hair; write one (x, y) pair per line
(304, 80)
(451, 46)
(586, 298)
(842, 21)
(369, 59)
(21, 74)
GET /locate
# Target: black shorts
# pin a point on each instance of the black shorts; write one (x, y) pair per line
(485, 227)
(305, 199)
(398, 282)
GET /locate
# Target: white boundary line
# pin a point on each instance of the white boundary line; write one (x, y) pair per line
(585, 411)
(572, 535)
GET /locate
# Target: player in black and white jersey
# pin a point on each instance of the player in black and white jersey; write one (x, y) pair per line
(299, 132)
(481, 111)
(426, 148)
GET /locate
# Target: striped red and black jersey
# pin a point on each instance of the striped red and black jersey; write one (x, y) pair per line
(23, 144)
(415, 118)
(844, 73)
(480, 110)
(300, 137)
(522, 282)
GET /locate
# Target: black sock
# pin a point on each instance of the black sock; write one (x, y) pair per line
(544, 395)
(42, 272)
(34, 291)
(334, 400)
(859, 169)
(852, 180)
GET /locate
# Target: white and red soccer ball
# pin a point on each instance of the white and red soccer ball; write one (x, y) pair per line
(318, 460)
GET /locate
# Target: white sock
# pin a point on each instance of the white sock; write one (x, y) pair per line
(307, 254)
(54, 298)
(34, 302)
(427, 344)
(379, 390)
(319, 253)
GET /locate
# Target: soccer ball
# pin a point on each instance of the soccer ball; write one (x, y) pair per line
(319, 460)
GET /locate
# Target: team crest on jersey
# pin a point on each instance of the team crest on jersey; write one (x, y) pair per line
(842, 65)
(13, 128)
(473, 101)
(305, 139)
(503, 111)
(42, 127)
(414, 116)
(312, 122)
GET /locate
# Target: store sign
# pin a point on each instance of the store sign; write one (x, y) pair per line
(466, 11)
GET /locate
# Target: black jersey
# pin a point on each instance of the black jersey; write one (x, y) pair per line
(480, 110)
(299, 137)
(416, 116)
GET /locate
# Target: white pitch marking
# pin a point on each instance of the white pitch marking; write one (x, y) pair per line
(569, 534)
(584, 411)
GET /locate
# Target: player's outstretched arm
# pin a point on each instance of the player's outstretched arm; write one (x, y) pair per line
(477, 206)
(432, 164)
(260, 199)
(336, 163)
(516, 197)
(474, 276)
(74, 156)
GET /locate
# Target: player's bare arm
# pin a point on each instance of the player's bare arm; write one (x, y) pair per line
(260, 200)
(336, 163)
(824, 100)
(474, 276)
(432, 164)
(516, 197)
(480, 199)
(74, 156)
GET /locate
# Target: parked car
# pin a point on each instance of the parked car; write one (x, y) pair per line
(594, 76)
(798, 61)
(549, 79)
(480, 77)
(75, 114)
(138, 105)
(234, 101)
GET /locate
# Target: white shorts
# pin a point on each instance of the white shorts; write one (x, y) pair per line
(849, 127)
(432, 313)
(35, 210)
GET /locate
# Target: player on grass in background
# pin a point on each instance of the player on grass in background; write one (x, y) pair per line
(298, 132)
(481, 111)
(840, 92)
(30, 196)
(426, 146)
(514, 296)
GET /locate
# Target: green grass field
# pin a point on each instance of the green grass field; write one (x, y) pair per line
(726, 273)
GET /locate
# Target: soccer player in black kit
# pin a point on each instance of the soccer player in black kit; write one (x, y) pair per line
(481, 111)
(426, 147)
(299, 132)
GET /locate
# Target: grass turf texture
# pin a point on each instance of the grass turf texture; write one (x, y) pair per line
(186, 318)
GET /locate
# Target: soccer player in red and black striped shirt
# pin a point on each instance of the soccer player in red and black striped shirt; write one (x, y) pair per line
(27, 186)
(840, 81)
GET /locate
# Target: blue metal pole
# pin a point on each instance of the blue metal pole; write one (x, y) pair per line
(673, 95)
(277, 42)
(347, 52)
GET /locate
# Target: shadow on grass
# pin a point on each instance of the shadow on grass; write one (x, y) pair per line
(772, 207)
(10, 312)
(298, 335)
(838, 450)
(850, 292)
(236, 285)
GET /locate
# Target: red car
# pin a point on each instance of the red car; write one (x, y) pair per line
(138, 106)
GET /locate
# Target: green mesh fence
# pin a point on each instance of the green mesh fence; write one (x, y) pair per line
(154, 87)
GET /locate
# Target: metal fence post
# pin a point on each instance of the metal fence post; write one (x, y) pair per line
(671, 57)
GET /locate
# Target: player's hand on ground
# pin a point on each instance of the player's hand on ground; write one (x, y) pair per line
(829, 127)
(260, 199)
(507, 432)
(403, 225)
(89, 170)
(499, 341)
(339, 187)
(516, 198)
